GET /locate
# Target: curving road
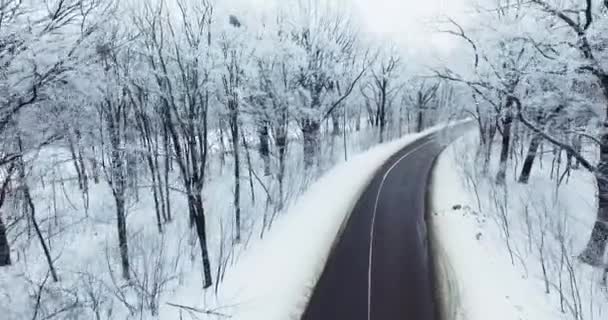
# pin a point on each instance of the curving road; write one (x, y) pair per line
(380, 267)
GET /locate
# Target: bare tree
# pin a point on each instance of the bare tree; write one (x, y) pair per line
(591, 65)
(422, 97)
(232, 81)
(329, 41)
(27, 82)
(5, 250)
(184, 48)
(29, 203)
(383, 89)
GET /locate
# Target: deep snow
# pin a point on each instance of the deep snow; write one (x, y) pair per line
(267, 278)
(479, 278)
(273, 280)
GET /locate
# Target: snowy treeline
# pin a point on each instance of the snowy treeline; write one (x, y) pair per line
(538, 80)
(145, 143)
(537, 76)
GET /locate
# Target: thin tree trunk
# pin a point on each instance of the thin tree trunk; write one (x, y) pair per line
(155, 193)
(121, 224)
(234, 126)
(222, 147)
(281, 141)
(145, 133)
(419, 120)
(167, 168)
(196, 204)
(529, 161)
(5, 249)
(77, 167)
(118, 183)
(358, 120)
(83, 168)
(335, 121)
(504, 151)
(401, 120)
(264, 147)
(32, 213)
(249, 167)
(310, 132)
(344, 135)
(94, 166)
(489, 142)
(594, 251)
(159, 183)
(382, 116)
(45, 249)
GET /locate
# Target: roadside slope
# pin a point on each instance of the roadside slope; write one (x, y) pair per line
(273, 280)
(474, 278)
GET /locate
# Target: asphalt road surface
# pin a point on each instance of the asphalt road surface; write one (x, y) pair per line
(380, 267)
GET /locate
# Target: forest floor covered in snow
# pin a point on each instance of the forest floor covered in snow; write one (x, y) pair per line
(289, 260)
(267, 276)
(512, 252)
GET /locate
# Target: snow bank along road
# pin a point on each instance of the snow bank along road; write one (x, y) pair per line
(380, 267)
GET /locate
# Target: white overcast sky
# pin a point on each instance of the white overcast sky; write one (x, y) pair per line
(407, 21)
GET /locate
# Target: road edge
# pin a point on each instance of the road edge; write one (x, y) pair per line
(445, 285)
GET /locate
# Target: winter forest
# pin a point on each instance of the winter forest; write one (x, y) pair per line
(149, 149)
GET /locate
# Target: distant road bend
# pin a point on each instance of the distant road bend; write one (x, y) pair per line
(380, 268)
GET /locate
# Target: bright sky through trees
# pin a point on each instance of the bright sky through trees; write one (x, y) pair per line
(406, 21)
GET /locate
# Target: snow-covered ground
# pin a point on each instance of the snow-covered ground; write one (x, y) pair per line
(493, 243)
(262, 278)
(274, 279)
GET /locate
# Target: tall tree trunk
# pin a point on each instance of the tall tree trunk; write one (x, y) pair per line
(121, 224)
(131, 162)
(118, 182)
(29, 204)
(45, 248)
(530, 156)
(167, 169)
(358, 120)
(196, 205)
(159, 183)
(156, 192)
(335, 121)
(310, 133)
(77, 167)
(504, 150)
(83, 168)
(400, 120)
(94, 166)
(491, 133)
(281, 141)
(382, 114)
(234, 126)
(264, 147)
(5, 249)
(222, 147)
(151, 158)
(420, 120)
(594, 251)
(249, 167)
(344, 132)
